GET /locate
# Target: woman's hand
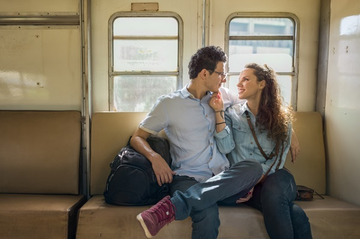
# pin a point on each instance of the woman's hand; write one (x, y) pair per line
(294, 146)
(216, 102)
(247, 197)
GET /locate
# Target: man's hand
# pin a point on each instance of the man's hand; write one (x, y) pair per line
(162, 171)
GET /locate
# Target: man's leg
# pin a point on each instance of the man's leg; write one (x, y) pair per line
(206, 222)
(239, 179)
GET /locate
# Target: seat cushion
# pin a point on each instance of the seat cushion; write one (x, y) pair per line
(100, 220)
(329, 218)
(40, 152)
(38, 216)
(332, 218)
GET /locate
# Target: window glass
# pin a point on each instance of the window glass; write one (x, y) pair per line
(275, 53)
(261, 27)
(145, 61)
(145, 26)
(139, 93)
(145, 55)
(263, 40)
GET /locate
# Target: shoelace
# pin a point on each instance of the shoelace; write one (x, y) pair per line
(164, 212)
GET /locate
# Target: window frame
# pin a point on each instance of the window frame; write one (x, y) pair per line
(112, 73)
(295, 38)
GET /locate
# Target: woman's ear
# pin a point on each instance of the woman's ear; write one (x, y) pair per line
(262, 84)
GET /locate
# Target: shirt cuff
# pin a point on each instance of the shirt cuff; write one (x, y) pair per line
(224, 133)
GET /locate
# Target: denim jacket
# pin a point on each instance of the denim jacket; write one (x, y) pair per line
(237, 141)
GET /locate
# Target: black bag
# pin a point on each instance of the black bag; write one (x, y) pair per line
(132, 180)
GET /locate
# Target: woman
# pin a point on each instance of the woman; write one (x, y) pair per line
(268, 143)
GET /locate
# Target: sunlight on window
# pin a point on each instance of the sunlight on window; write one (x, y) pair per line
(145, 52)
(264, 40)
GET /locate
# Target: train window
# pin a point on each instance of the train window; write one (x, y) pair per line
(145, 60)
(264, 40)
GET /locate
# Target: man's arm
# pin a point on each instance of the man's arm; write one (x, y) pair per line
(162, 171)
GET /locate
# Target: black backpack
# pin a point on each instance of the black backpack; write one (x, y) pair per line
(132, 180)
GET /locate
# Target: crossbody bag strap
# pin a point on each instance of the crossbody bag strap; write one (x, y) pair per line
(262, 151)
(255, 138)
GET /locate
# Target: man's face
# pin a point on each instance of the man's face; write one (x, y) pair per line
(215, 79)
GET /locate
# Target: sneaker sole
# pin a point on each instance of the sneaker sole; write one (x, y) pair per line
(143, 225)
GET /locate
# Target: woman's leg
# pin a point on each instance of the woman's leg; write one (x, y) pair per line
(274, 197)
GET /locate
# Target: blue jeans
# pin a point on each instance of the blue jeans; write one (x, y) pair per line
(199, 200)
(274, 198)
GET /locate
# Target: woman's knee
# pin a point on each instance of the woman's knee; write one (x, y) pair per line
(279, 186)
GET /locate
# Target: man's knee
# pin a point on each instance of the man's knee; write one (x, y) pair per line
(252, 167)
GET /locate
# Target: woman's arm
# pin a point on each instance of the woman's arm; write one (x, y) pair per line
(294, 147)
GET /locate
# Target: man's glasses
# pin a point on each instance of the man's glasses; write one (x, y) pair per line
(222, 74)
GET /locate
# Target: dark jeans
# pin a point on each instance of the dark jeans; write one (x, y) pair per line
(274, 198)
(199, 200)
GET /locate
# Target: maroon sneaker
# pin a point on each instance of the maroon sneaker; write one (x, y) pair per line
(156, 217)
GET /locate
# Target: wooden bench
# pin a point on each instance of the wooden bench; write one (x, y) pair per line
(329, 218)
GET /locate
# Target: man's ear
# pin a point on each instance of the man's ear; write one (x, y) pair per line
(203, 73)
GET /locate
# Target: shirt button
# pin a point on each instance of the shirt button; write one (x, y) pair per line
(251, 142)
(250, 154)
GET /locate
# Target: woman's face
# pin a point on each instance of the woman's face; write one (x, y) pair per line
(249, 87)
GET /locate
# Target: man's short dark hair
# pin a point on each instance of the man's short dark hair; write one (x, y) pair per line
(206, 58)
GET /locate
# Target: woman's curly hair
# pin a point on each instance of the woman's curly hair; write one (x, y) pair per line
(272, 115)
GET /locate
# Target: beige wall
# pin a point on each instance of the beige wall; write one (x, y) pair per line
(40, 66)
(342, 111)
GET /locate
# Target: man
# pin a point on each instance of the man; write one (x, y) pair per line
(200, 175)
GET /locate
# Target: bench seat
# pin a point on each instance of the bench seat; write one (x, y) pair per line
(329, 217)
(38, 216)
(39, 173)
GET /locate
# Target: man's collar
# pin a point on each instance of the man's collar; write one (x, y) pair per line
(185, 92)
